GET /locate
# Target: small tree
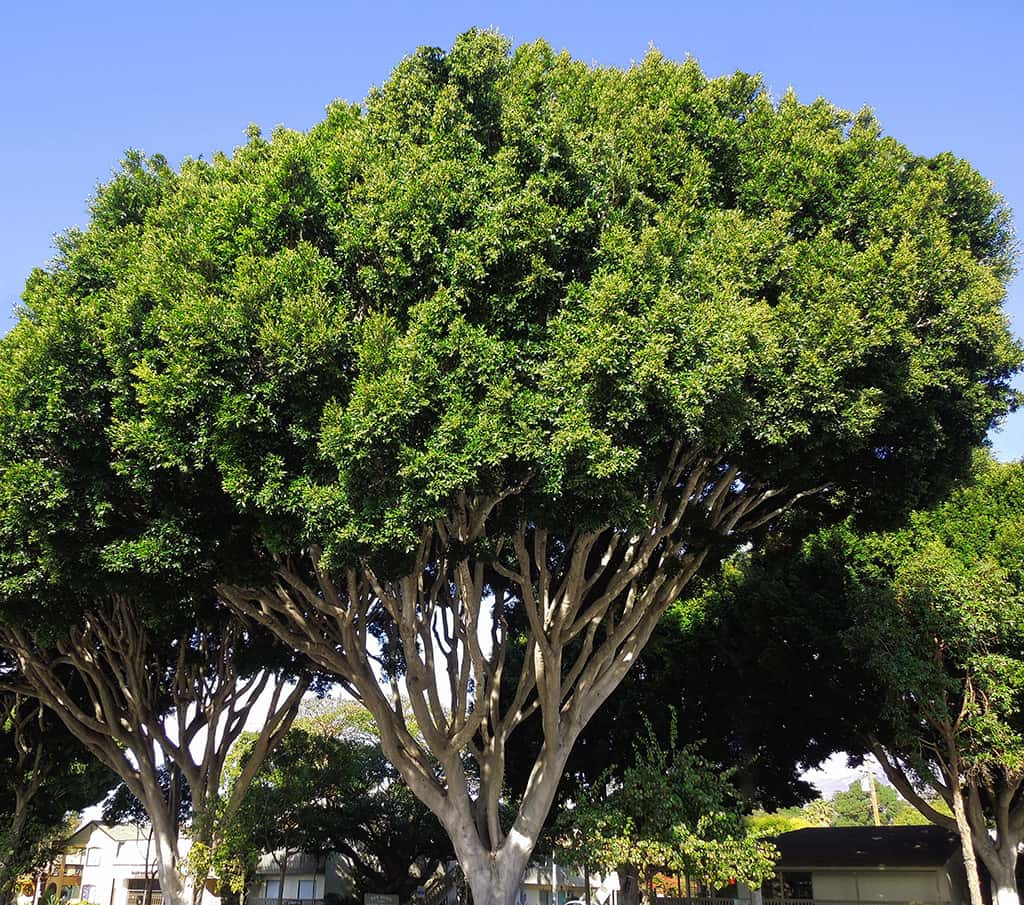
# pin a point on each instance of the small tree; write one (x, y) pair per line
(672, 810)
(941, 627)
(329, 788)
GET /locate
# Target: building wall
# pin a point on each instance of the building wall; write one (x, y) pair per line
(888, 885)
(112, 866)
(536, 889)
(297, 886)
(322, 876)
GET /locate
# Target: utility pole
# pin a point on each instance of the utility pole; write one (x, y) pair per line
(874, 797)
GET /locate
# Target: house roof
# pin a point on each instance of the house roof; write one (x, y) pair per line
(121, 832)
(866, 846)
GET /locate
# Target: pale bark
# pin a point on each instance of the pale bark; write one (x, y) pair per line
(175, 884)
(1004, 883)
(966, 846)
(999, 851)
(145, 703)
(599, 591)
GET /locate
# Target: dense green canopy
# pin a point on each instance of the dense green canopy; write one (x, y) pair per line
(508, 267)
(911, 642)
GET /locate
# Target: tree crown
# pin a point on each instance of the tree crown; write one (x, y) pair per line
(508, 269)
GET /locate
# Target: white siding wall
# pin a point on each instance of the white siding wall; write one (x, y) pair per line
(834, 886)
(120, 862)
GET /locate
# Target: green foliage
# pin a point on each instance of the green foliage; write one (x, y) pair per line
(902, 633)
(768, 825)
(507, 267)
(673, 811)
(510, 274)
(853, 808)
(328, 788)
(46, 776)
(941, 622)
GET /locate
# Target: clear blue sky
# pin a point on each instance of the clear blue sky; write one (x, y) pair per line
(82, 81)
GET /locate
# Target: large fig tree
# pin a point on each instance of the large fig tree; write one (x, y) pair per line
(517, 348)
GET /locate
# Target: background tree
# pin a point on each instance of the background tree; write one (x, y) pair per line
(916, 634)
(160, 706)
(102, 589)
(941, 628)
(854, 808)
(329, 788)
(521, 342)
(671, 811)
(45, 775)
(287, 809)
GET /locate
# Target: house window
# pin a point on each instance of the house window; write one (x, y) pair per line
(92, 857)
(273, 889)
(137, 894)
(789, 884)
(305, 889)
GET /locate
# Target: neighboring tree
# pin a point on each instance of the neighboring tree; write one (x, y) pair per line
(161, 708)
(854, 808)
(672, 811)
(391, 839)
(941, 628)
(847, 808)
(919, 637)
(520, 343)
(820, 812)
(328, 787)
(45, 775)
(785, 821)
(107, 608)
(286, 810)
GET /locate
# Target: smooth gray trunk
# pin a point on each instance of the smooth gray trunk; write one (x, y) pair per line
(494, 880)
(1002, 868)
(175, 887)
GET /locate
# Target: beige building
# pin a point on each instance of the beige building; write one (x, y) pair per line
(860, 865)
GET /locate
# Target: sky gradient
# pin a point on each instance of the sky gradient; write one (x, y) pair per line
(81, 82)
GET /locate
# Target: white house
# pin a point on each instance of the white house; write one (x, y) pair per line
(112, 865)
